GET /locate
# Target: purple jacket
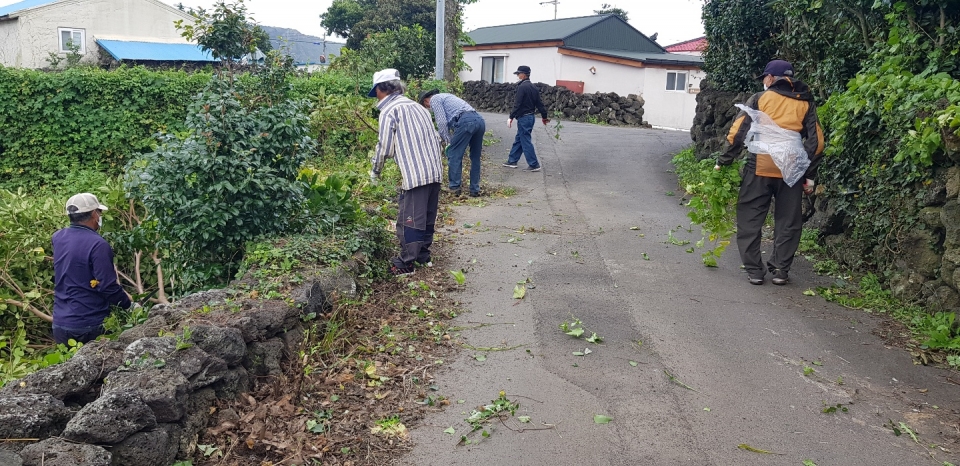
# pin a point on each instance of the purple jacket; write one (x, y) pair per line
(85, 281)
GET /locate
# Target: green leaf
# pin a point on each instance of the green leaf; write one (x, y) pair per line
(578, 353)
(480, 357)
(744, 446)
(601, 419)
(524, 419)
(633, 363)
(809, 463)
(809, 293)
(594, 338)
(450, 430)
(519, 291)
(575, 332)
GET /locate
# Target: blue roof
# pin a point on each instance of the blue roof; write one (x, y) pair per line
(153, 51)
(13, 8)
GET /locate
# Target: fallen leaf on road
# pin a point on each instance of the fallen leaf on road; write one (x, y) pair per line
(744, 446)
(633, 363)
(450, 431)
(601, 419)
(519, 292)
(523, 419)
(480, 357)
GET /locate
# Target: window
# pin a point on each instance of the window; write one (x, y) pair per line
(72, 36)
(677, 81)
(491, 69)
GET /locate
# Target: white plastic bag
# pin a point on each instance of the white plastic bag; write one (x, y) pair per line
(785, 147)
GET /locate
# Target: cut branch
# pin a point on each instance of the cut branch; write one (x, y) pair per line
(46, 317)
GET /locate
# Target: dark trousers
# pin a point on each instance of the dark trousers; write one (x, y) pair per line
(467, 131)
(416, 221)
(80, 335)
(524, 142)
(752, 208)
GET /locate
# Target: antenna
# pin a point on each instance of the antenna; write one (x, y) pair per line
(554, 3)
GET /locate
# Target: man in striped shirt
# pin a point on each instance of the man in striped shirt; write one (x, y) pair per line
(407, 134)
(453, 114)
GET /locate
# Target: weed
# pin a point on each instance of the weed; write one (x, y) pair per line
(459, 276)
(497, 409)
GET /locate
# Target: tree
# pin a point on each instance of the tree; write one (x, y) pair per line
(608, 9)
(232, 176)
(225, 32)
(356, 19)
(342, 15)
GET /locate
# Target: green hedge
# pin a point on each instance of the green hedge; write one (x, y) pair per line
(54, 123)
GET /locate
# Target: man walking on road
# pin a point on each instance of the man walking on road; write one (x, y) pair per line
(789, 103)
(453, 114)
(527, 104)
(85, 282)
(407, 133)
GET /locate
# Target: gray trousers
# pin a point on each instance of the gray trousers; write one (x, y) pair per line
(416, 220)
(752, 208)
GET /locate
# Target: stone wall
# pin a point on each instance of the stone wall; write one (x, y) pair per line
(715, 115)
(142, 400)
(607, 108)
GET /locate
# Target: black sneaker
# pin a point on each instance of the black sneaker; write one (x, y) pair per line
(780, 277)
(534, 169)
(476, 194)
(455, 192)
(755, 281)
(401, 271)
(509, 165)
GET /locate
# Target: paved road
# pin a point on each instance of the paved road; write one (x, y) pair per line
(741, 348)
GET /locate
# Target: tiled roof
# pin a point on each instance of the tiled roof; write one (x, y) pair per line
(693, 45)
(25, 4)
(538, 31)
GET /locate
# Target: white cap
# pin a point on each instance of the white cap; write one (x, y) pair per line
(83, 202)
(383, 76)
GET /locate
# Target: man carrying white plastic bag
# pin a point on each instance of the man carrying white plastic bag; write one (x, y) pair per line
(780, 129)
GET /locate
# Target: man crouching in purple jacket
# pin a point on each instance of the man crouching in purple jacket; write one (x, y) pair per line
(85, 280)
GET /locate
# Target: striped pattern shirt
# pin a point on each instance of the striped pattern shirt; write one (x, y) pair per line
(446, 108)
(407, 134)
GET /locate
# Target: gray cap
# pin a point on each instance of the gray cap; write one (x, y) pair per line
(83, 202)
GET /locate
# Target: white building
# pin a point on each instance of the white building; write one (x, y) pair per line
(600, 53)
(125, 30)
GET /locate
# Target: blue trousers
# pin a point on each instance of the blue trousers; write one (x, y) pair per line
(467, 132)
(524, 143)
(80, 335)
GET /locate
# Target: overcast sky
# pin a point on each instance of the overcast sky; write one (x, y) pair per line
(673, 20)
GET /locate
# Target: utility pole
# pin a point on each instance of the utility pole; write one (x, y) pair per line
(441, 13)
(554, 3)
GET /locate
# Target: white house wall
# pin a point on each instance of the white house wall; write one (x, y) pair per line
(10, 43)
(143, 20)
(544, 63)
(668, 109)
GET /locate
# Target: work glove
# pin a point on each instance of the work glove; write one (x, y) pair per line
(374, 178)
(509, 122)
(809, 186)
(545, 121)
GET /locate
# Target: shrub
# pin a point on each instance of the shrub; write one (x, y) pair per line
(230, 180)
(52, 124)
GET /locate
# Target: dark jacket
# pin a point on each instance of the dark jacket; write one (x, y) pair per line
(85, 281)
(528, 101)
(790, 104)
